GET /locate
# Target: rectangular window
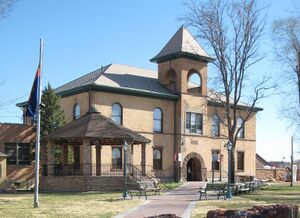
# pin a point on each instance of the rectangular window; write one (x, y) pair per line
(116, 158)
(18, 153)
(215, 157)
(194, 123)
(240, 160)
(157, 158)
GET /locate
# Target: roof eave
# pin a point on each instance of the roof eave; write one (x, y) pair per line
(94, 87)
(181, 54)
(240, 107)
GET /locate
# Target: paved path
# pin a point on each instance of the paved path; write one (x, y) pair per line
(179, 201)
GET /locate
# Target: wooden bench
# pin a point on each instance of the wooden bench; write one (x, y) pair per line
(142, 187)
(218, 188)
(150, 186)
(242, 188)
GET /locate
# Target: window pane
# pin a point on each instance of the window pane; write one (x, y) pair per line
(215, 126)
(11, 151)
(194, 122)
(157, 126)
(24, 154)
(215, 155)
(240, 161)
(157, 159)
(188, 121)
(157, 120)
(199, 123)
(157, 114)
(76, 112)
(117, 158)
(117, 113)
(240, 124)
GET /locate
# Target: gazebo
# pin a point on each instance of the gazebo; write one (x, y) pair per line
(84, 138)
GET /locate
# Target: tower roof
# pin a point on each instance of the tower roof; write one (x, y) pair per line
(182, 44)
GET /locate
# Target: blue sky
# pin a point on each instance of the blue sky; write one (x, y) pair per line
(81, 36)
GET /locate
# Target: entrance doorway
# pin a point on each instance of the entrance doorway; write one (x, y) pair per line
(193, 170)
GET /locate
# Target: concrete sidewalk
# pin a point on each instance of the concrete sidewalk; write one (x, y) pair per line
(179, 201)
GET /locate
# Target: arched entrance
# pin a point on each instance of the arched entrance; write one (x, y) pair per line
(193, 168)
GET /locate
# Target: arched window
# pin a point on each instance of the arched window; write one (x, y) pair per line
(76, 111)
(116, 158)
(157, 120)
(215, 125)
(117, 114)
(194, 85)
(240, 128)
(157, 158)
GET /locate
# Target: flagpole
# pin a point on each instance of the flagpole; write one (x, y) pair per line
(38, 127)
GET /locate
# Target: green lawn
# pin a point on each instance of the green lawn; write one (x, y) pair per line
(275, 194)
(91, 204)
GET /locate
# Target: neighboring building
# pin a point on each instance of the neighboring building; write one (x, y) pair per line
(171, 107)
(16, 152)
(261, 163)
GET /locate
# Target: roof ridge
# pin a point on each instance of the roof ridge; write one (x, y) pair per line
(85, 75)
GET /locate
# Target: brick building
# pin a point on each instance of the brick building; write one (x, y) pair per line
(172, 107)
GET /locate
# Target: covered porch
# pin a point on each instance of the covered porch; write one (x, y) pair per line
(76, 150)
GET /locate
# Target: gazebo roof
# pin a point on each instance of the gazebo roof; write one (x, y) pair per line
(97, 128)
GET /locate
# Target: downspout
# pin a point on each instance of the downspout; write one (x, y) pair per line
(176, 171)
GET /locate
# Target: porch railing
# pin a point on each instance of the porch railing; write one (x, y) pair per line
(83, 169)
(137, 172)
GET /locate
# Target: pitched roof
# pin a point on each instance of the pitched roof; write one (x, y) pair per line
(214, 98)
(13, 132)
(95, 126)
(262, 160)
(122, 78)
(182, 44)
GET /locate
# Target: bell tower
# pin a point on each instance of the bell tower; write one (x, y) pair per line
(182, 68)
(182, 64)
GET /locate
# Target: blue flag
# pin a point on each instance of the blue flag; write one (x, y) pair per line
(31, 109)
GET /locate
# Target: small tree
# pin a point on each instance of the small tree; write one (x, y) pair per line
(233, 29)
(52, 116)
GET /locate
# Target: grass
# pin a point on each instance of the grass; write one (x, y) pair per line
(91, 204)
(275, 194)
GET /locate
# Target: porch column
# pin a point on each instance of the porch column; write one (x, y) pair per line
(93, 160)
(64, 149)
(86, 150)
(143, 158)
(98, 160)
(50, 158)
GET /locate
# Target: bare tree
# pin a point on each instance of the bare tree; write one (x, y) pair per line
(233, 29)
(5, 7)
(286, 35)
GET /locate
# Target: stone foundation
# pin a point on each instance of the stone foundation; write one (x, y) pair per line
(80, 183)
(270, 211)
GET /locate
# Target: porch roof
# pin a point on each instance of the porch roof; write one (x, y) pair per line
(97, 128)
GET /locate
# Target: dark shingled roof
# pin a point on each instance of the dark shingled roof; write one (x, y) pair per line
(121, 77)
(98, 128)
(12, 132)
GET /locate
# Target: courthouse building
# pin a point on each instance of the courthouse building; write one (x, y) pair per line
(172, 108)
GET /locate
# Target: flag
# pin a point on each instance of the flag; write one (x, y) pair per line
(31, 109)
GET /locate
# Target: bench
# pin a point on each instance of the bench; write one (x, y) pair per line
(142, 187)
(242, 187)
(218, 188)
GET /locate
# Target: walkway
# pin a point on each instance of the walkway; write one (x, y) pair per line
(180, 201)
